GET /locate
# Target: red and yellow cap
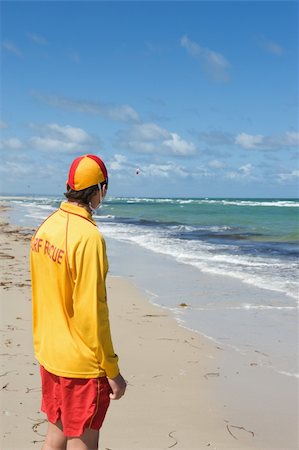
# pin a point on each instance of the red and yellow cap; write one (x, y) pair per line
(86, 171)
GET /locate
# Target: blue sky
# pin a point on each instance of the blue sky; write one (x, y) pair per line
(202, 97)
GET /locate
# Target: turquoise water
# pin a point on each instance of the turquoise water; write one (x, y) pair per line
(255, 240)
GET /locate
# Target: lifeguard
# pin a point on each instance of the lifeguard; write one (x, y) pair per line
(71, 330)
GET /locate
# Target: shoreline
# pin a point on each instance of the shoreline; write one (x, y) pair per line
(221, 309)
(184, 391)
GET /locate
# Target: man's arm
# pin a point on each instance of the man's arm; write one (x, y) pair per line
(90, 303)
(118, 386)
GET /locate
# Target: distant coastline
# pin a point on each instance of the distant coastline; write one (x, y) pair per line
(60, 194)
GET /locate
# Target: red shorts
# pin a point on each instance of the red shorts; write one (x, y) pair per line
(79, 403)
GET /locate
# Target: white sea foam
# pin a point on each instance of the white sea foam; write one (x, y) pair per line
(275, 203)
(185, 202)
(288, 374)
(211, 201)
(266, 273)
(103, 217)
(245, 307)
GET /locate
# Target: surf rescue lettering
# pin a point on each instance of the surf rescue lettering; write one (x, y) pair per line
(54, 253)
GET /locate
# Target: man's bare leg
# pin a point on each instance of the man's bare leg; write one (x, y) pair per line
(55, 439)
(88, 441)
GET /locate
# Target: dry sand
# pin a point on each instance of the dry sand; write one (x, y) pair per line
(179, 383)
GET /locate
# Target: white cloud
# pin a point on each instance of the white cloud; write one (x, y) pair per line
(52, 137)
(12, 48)
(142, 147)
(233, 175)
(118, 113)
(51, 144)
(179, 146)
(117, 164)
(68, 132)
(122, 113)
(243, 172)
(121, 166)
(11, 144)
(151, 138)
(37, 38)
(165, 170)
(292, 138)
(15, 168)
(148, 132)
(215, 164)
(288, 139)
(269, 46)
(214, 64)
(28, 170)
(258, 141)
(246, 170)
(60, 138)
(288, 176)
(249, 141)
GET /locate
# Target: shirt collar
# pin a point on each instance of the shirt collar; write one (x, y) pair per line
(70, 208)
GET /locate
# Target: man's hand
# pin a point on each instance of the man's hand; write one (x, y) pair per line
(118, 387)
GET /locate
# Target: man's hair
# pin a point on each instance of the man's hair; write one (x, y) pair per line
(83, 196)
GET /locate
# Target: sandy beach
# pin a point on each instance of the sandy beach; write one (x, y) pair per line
(184, 391)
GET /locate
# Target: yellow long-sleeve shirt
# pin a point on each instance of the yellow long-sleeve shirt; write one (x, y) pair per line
(71, 330)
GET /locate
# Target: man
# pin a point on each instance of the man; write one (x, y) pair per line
(71, 331)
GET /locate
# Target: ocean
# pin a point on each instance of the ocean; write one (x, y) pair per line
(230, 262)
